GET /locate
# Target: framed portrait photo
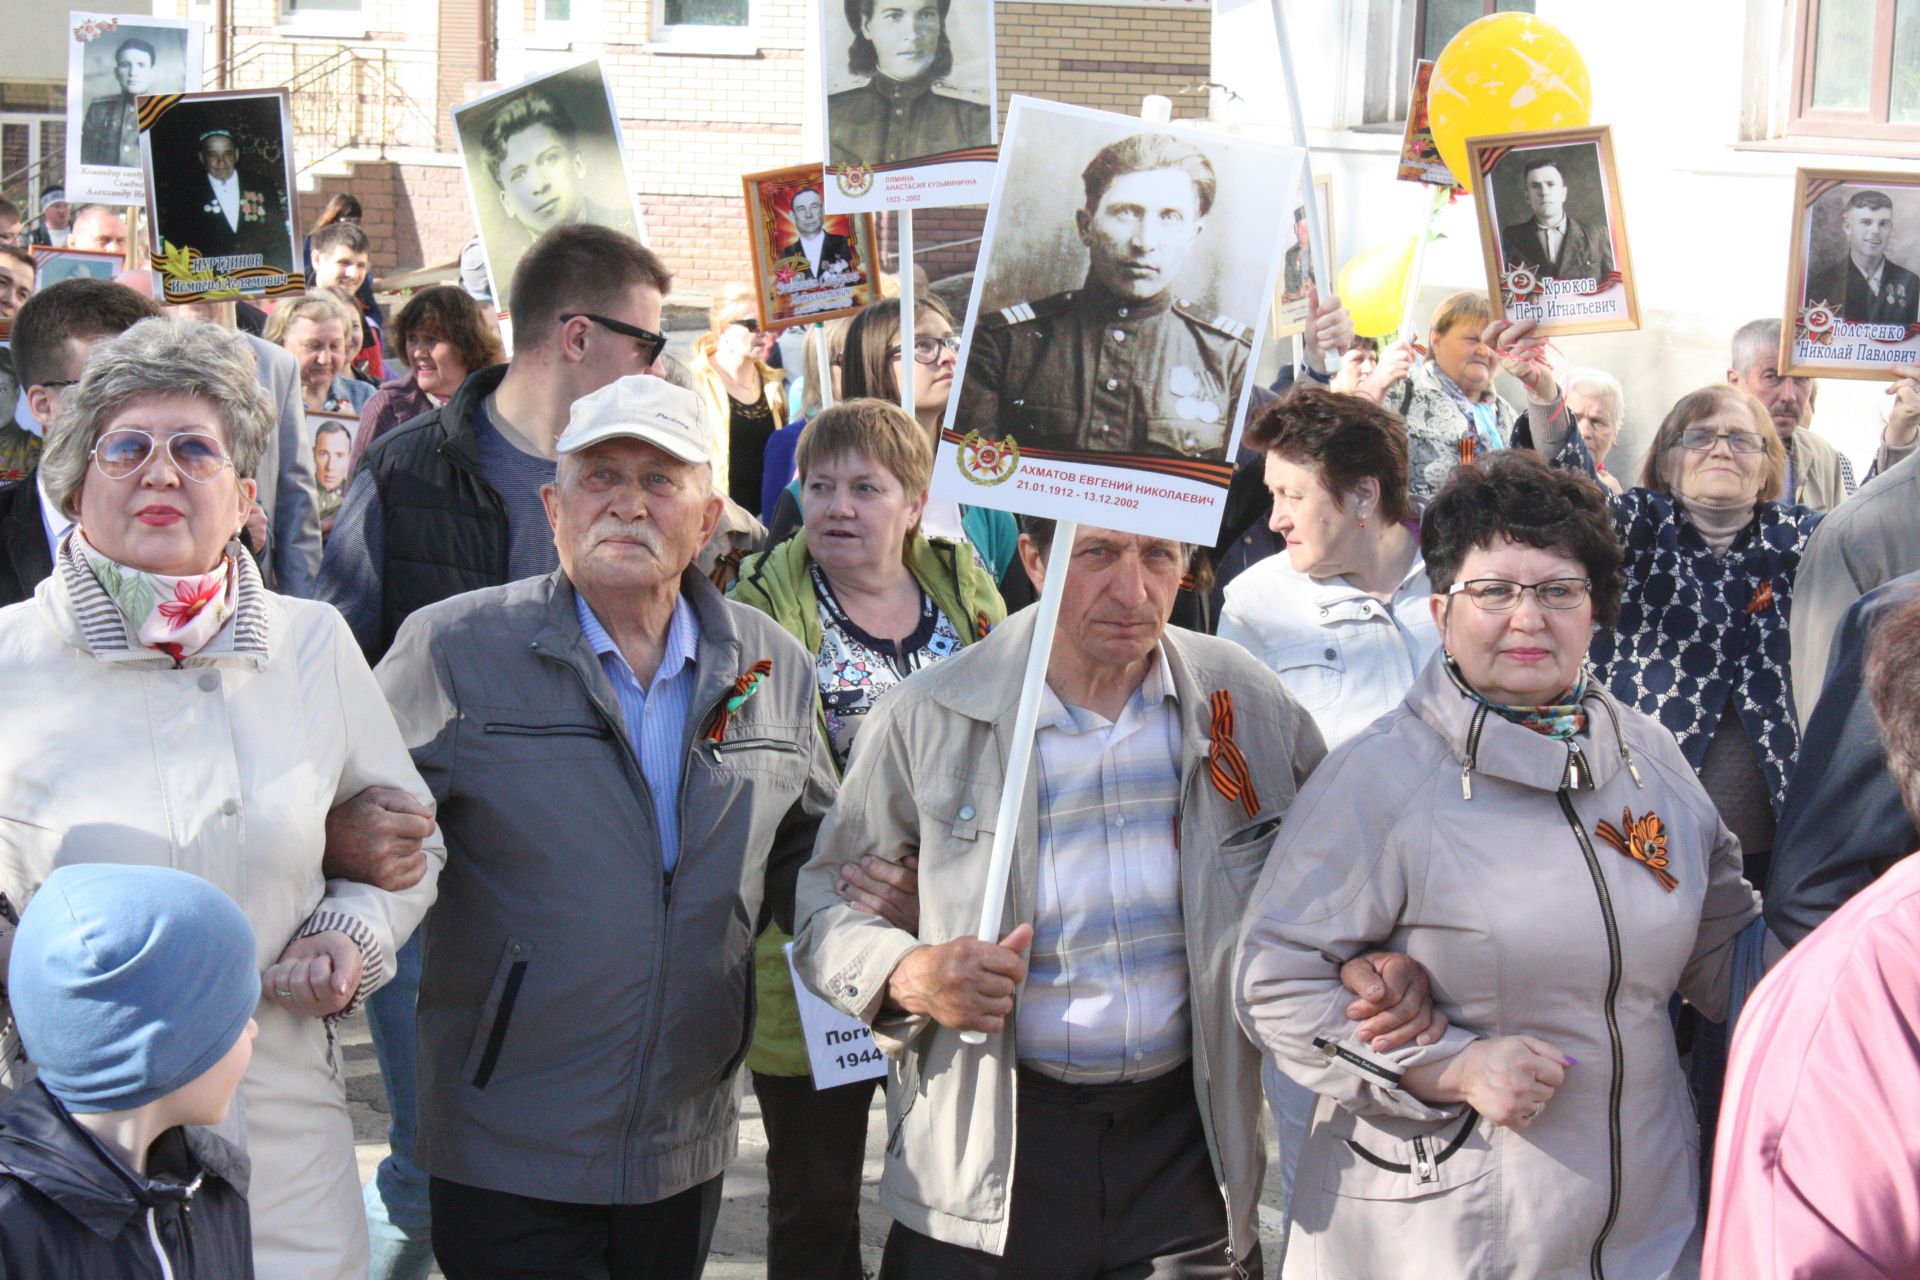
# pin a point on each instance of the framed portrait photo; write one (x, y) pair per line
(1853, 290)
(51, 266)
(1125, 278)
(1420, 159)
(112, 59)
(219, 179)
(1296, 267)
(546, 152)
(910, 103)
(330, 436)
(1552, 230)
(808, 264)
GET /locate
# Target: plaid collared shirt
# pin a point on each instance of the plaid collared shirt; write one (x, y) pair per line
(1106, 994)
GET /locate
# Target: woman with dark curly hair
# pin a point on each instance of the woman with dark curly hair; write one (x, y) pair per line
(906, 109)
(443, 335)
(1552, 861)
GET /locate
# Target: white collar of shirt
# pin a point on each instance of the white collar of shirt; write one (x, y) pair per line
(57, 524)
(1879, 274)
(228, 194)
(1154, 689)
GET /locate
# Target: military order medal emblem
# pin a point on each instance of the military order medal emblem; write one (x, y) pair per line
(987, 461)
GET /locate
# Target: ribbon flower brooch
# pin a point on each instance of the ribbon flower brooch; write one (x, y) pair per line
(1643, 841)
(744, 687)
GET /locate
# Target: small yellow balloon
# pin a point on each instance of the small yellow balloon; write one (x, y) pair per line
(1373, 285)
(1505, 73)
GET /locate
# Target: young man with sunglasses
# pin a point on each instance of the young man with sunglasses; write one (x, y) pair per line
(450, 503)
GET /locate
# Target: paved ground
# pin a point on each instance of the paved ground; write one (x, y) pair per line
(740, 1238)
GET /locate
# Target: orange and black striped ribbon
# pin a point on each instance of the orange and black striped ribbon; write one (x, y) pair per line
(1231, 777)
(744, 687)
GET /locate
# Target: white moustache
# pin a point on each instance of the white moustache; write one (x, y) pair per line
(606, 529)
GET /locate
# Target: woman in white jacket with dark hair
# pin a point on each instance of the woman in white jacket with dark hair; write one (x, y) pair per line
(164, 708)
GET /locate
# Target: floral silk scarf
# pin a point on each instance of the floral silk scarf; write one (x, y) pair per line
(1557, 720)
(177, 616)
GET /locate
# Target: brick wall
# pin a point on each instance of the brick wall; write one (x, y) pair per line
(416, 215)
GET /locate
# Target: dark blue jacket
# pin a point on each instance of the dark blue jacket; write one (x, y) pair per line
(68, 1208)
(1844, 823)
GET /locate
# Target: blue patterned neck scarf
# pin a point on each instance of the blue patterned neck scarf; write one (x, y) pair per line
(1557, 720)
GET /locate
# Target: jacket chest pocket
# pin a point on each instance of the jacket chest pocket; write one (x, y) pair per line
(1313, 671)
(533, 736)
(1392, 1159)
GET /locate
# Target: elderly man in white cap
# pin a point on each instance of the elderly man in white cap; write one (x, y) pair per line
(629, 776)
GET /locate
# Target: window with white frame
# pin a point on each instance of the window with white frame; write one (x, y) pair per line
(705, 26)
(1856, 69)
(1400, 33)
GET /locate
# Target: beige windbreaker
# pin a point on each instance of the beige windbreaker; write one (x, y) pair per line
(926, 778)
(1485, 851)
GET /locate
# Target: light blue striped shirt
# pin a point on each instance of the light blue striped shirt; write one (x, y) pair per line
(657, 717)
(1106, 996)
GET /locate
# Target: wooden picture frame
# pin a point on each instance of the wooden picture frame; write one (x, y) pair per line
(1838, 323)
(844, 278)
(1586, 285)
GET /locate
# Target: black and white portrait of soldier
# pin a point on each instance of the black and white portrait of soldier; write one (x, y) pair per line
(1128, 360)
(1551, 242)
(821, 250)
(111, 132)
(1860, 281)
(908, 101)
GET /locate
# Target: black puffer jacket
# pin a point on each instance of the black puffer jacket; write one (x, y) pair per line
(67, 1208)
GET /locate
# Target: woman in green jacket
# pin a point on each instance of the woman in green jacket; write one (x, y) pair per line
(873, 599)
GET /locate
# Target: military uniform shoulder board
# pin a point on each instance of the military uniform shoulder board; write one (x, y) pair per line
(1023, 312)
(966, 94)
(1221, 324)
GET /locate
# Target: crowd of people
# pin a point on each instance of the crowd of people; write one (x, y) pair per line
(1451, 807)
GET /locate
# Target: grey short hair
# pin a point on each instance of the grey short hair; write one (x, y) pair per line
(155, 358)
(1753, 342)
(1601, 383)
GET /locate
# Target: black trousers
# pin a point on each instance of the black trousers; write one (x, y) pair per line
(495, 1235)
(816, 1147)
(1110, 1182)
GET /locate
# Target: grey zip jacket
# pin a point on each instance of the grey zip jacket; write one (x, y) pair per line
(583, 1015)
(1480, 848)
(925, 778)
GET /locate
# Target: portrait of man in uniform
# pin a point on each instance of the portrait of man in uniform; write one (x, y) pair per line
(1123, 364)
(908, 108)
(819, 249)
(110, 134)
(219, 202)
(1552, 243)
(1298, 273)
(1863, 283)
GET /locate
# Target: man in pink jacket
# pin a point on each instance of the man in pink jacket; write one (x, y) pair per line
(1817, 1172)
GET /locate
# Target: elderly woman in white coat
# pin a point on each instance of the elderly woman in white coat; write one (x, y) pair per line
(163, 708)
(1551, 860)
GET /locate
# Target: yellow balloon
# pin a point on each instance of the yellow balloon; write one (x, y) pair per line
(1505, 73)
(1373, 286)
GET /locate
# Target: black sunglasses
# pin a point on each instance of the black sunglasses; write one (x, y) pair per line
(651, 343)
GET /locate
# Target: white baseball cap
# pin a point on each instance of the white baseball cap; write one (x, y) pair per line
(641, 407)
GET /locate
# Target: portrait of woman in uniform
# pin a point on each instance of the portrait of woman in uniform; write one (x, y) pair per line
(911, 98)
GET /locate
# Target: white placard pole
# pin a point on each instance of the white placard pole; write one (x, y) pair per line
(1155, 109)
(1408, 318)
(1322, 271)
(823, 365)
(909, 322)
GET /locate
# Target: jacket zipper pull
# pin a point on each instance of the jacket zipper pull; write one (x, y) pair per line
(1628, 757)
(666, 888)
(1466, 782)
(1422, 1166)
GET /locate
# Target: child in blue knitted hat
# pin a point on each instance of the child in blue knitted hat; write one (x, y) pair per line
(133, 989)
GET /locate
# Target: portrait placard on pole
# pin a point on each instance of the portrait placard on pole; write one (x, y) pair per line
(218, 169)
(112, 59)
(910, 100)
(1127, 269)
(808, 264)
(545, 152)
(1296, 272)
